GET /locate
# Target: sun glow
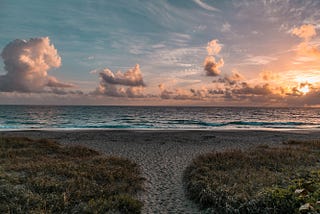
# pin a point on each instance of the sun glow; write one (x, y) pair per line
(304, 89)
(311, 78)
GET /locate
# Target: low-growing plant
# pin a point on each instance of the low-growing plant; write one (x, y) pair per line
(41, 176)
(259, 180)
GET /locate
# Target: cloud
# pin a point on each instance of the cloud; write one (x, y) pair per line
(129, 84)
(306, 48)
(27, 63)
(132, 77)
(175, 58)
(234, 78)
(109, 90)
(309, 51)
(61, 91)
(205, 6)
(310, 99)
(135, 92)
(211, 66)
(53, 82)
(164, 93)
(94, 71)
(235, 90)
(226, 27)
(213, 47)
(200, 93)
(217, 91)
(161, 86)
(177, 94)
(258, 60)
(246, 89)
(268, 76)
(305, 32)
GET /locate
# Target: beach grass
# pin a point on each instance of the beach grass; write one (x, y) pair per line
(41, 176)
(263, 179)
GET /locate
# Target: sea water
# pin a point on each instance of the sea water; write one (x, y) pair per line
(169, 118)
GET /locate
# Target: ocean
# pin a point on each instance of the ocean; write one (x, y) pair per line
(167, 118)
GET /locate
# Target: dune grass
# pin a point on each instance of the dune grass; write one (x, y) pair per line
(260, 180)
(41, 176)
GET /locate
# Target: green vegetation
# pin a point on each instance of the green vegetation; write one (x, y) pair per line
(40, 176)
(261, 180)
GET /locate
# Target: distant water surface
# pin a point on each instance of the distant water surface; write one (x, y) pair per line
(182, 118)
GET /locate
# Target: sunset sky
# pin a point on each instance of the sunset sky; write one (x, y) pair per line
(165, 52)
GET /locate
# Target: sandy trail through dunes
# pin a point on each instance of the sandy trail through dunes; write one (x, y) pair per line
(163, 155)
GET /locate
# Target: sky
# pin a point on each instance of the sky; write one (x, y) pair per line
(164, 52)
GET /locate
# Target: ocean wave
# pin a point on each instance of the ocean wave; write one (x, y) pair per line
(256, 123)
(108, 126)
(241, 123)
(194, 122)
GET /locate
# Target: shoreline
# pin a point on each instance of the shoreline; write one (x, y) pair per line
(164, 155)
(214, 130)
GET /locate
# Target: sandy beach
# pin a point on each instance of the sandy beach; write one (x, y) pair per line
(163, 155)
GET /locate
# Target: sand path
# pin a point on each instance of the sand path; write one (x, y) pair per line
(163, 156)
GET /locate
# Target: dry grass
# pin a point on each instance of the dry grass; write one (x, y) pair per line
(40, 176)
(260, 180)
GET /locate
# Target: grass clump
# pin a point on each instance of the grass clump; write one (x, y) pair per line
(260, 180)
(40, 176)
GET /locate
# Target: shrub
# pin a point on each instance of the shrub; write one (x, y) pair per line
(260, 180)
(40, 176)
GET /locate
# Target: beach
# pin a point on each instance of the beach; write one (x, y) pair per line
(164, 154)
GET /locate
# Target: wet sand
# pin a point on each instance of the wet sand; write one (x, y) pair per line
(163, 155)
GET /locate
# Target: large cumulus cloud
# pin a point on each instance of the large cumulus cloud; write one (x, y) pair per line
(27, 63)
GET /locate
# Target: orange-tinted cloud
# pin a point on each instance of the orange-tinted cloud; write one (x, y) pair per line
(246, 89)
(213, 47)
(132, 77)
(27, 63)
(177, 94)
(306, 48)
(305, 32)
(129, 84)
(268, 75)
(211, 65)
(312, 98)
(135, 92)
(270, 89)
(231, 79)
